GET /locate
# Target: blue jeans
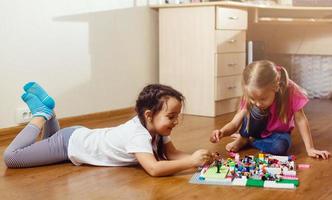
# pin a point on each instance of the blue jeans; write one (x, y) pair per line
(277, 143)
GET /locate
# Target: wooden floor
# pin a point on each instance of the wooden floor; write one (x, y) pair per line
(66, 181)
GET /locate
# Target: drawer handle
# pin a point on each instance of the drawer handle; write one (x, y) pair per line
(233, 18)
(231, 64)
(231, 41)
(231, 87)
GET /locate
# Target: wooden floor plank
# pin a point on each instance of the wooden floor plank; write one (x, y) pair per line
(66, 181)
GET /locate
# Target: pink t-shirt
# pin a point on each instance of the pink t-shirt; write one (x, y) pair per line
(296, 101)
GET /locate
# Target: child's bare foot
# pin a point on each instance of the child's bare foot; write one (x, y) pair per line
(235, 135)
(237, 144)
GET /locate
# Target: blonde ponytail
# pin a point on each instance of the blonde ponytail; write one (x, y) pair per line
(282, 94)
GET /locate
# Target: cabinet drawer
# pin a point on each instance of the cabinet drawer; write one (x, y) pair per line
(230, 41)
(228, 87)
(230, 64)
(231, 18)
(226, 106)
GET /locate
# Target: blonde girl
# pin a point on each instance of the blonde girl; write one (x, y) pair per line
(271, 106)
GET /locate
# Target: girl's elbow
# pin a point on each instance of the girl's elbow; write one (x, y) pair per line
(153, 171)
(153, 174)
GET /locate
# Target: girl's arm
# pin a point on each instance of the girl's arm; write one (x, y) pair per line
(229, 128)
(174, 154)
(303, 126)
(169, 167)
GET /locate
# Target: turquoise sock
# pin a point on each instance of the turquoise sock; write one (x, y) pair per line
(36, 89)
(36, 107)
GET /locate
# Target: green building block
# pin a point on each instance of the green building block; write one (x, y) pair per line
(254, 183)
(295, 182)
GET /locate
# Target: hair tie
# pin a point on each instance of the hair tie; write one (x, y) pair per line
(278, 68)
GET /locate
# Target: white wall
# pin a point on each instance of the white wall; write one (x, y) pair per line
(91, 56)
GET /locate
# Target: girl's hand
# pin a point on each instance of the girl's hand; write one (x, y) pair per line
(318, 153)
(215, 136)
(201, 157)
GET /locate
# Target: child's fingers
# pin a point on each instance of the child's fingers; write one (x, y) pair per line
(325, 154)
(217, 137)
(206, 157)
(214, 138)
(314, 155)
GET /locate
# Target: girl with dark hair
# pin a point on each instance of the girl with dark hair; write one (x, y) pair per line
(142, 140)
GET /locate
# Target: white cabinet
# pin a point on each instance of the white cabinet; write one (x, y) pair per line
(202, 54)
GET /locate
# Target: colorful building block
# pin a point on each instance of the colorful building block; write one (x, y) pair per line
(262, 171)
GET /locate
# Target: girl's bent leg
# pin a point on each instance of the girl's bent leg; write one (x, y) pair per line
(23, 152)
(277, 144)
(51, 126)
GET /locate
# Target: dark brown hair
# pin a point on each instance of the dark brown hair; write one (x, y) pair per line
(152, 98)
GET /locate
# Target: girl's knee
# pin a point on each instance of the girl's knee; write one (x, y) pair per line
(6, 157)
(280, 147)
(9, 158)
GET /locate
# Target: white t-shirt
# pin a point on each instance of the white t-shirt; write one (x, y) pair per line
(111, 146)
